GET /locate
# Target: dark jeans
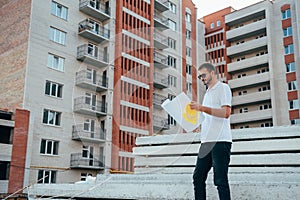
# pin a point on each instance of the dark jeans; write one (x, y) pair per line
(216, 155)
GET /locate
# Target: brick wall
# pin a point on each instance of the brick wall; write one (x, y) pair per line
(18, 158)
(14, 31)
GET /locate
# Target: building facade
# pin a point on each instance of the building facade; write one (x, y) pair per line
(93, 75)
(262, 63)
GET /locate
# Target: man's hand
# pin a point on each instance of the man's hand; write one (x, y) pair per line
(195, 106)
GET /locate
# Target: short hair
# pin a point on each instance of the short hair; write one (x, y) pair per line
(207, 66)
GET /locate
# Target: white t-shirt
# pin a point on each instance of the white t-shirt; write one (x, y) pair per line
(216, 129)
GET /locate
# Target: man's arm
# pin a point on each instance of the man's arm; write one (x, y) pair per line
(223, 112)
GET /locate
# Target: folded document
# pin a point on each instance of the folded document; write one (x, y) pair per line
(180, 110)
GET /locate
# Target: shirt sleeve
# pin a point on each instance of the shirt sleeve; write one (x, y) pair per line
(226, 96)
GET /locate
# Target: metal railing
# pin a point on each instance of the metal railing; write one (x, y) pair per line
(100, 81)
(96, 5)
(91, 25)
(82, 103)
(78, 161)
(160, 58)
(86, 50)
(79, 132)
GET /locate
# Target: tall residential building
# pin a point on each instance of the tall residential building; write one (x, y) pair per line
(93, 75)
(263, 63)
(215, 41)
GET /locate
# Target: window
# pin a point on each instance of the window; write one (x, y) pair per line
(294, 104)
(292, 86)
(243, 110)
(286, 14)
(188, 51)
(242, 92)
(171, 121)
(290, 67)
(53, 89)
(172, 61)
(51, 117)
(264, 88)
(295, 121)
(218, 23)
(59, 10)
(212, 25)
(172, 80)
(266, 124)
(172, 25)
(172, 7)
(46, 176)
(287, 32)
(57, 36)
(89, 125)
(188, 17)
(289, 49)
(189, 69)
(171, 43)
(189, 87)
(49, 147)
(188, 34)
(265, 107)
(84, 175)
(56, 62)
(4, 170)
(241, 75)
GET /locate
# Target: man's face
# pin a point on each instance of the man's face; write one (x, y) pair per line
(205, 76)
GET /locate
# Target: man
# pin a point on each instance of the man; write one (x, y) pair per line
(216, 136)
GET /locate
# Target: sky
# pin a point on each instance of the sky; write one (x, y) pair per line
(206, 7)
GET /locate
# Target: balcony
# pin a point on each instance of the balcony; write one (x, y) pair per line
(160, 41)
(248, 30)
(158, 100)
(85, 105)
(160, 22)
(91, 30)
(251, 116)
(251, 98)
(160, 81)
(247, 47)
(248, 63)
(97, 9)
(92, 55)
(160, 123)
(80, 134)
(160, 60)
(255, 79)
(161, 5)
(93, 82)
(80, 162)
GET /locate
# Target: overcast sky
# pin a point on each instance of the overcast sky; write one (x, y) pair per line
(206, 7)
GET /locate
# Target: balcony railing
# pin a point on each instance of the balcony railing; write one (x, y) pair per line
(91, 30)
(78, 161)
(161, 5)
(79, 133)
(160, 21)
(160, 41)
(158, 100)
(95, 9)
(160, 60)
(160, 81)
(85, 105)
(92, 55)
(160, 123)
(93, 82)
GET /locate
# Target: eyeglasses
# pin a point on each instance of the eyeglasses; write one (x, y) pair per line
(201, 76)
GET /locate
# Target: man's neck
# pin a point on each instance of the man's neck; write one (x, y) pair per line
(212, 83)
